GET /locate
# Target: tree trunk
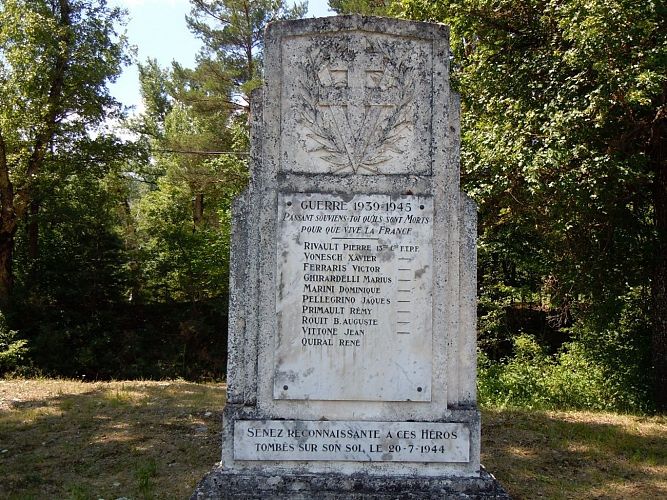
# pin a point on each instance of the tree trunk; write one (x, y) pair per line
(32, 229)
(33, 232)
(198, 209)
(7, 226)
(6, 271)
(659, 283)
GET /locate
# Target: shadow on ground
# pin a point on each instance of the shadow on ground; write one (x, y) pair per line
(575, 454)
(142, 440)
(121, 439)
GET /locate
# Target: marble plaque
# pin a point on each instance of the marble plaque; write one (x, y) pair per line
(351, 441)
(354, 297)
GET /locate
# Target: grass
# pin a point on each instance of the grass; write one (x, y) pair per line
(574, 454)
(139, 440)
(143, 440)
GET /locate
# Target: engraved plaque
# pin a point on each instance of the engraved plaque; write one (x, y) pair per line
(351, 441)
(355, 103)
(354, 297)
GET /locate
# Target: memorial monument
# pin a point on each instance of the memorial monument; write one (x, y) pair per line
(352, 362)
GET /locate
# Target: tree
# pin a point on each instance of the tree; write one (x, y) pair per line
(233, 36)
(57, 57)
(183, 221)
(564, 147)
(363, 7)
(187, 123)
(197, 143)
(195, 125)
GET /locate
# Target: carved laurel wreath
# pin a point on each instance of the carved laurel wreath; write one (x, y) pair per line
(380, 140)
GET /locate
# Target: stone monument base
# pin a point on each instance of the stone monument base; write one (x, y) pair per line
(247, 485)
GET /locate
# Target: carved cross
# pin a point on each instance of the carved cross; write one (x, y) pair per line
(356, 96)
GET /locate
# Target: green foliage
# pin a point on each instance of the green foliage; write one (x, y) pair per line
(364, 7)
(121, 249)
(154, 82)
(79, 272)
(34, 37)
(179, 261)
(13, 350)
(196, 128)
(79, 242)
(55, 66)
(233, 36)
(533, 379)
(145, 475)
(601, 369)
(559, 149)
(181, 227)
(618, 340)
(57, 59)
(131, 341)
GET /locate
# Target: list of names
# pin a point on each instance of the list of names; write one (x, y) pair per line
(354, 297)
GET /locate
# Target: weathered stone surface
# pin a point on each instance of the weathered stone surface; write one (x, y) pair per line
(245, 416)
(353, 275)
(354, 103)
(354, 283)
(221, 484)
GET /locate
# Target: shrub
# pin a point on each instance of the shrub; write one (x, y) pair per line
(536, 380)
(12, 349)
(604, 367)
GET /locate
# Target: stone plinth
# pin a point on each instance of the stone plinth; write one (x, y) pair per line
(223, 484)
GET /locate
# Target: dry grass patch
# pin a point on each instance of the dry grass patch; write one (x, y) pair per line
(137, 440)
(68, 439)
(572, 455)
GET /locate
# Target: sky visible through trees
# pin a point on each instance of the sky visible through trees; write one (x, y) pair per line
(158, 29)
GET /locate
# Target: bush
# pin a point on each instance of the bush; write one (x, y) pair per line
(12, 349)
(619, 343)
(534, 379)
(604, 367)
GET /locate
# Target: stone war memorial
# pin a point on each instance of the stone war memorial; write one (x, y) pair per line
(352, 363)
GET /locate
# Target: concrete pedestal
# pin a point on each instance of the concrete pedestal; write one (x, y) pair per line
(227, 484)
